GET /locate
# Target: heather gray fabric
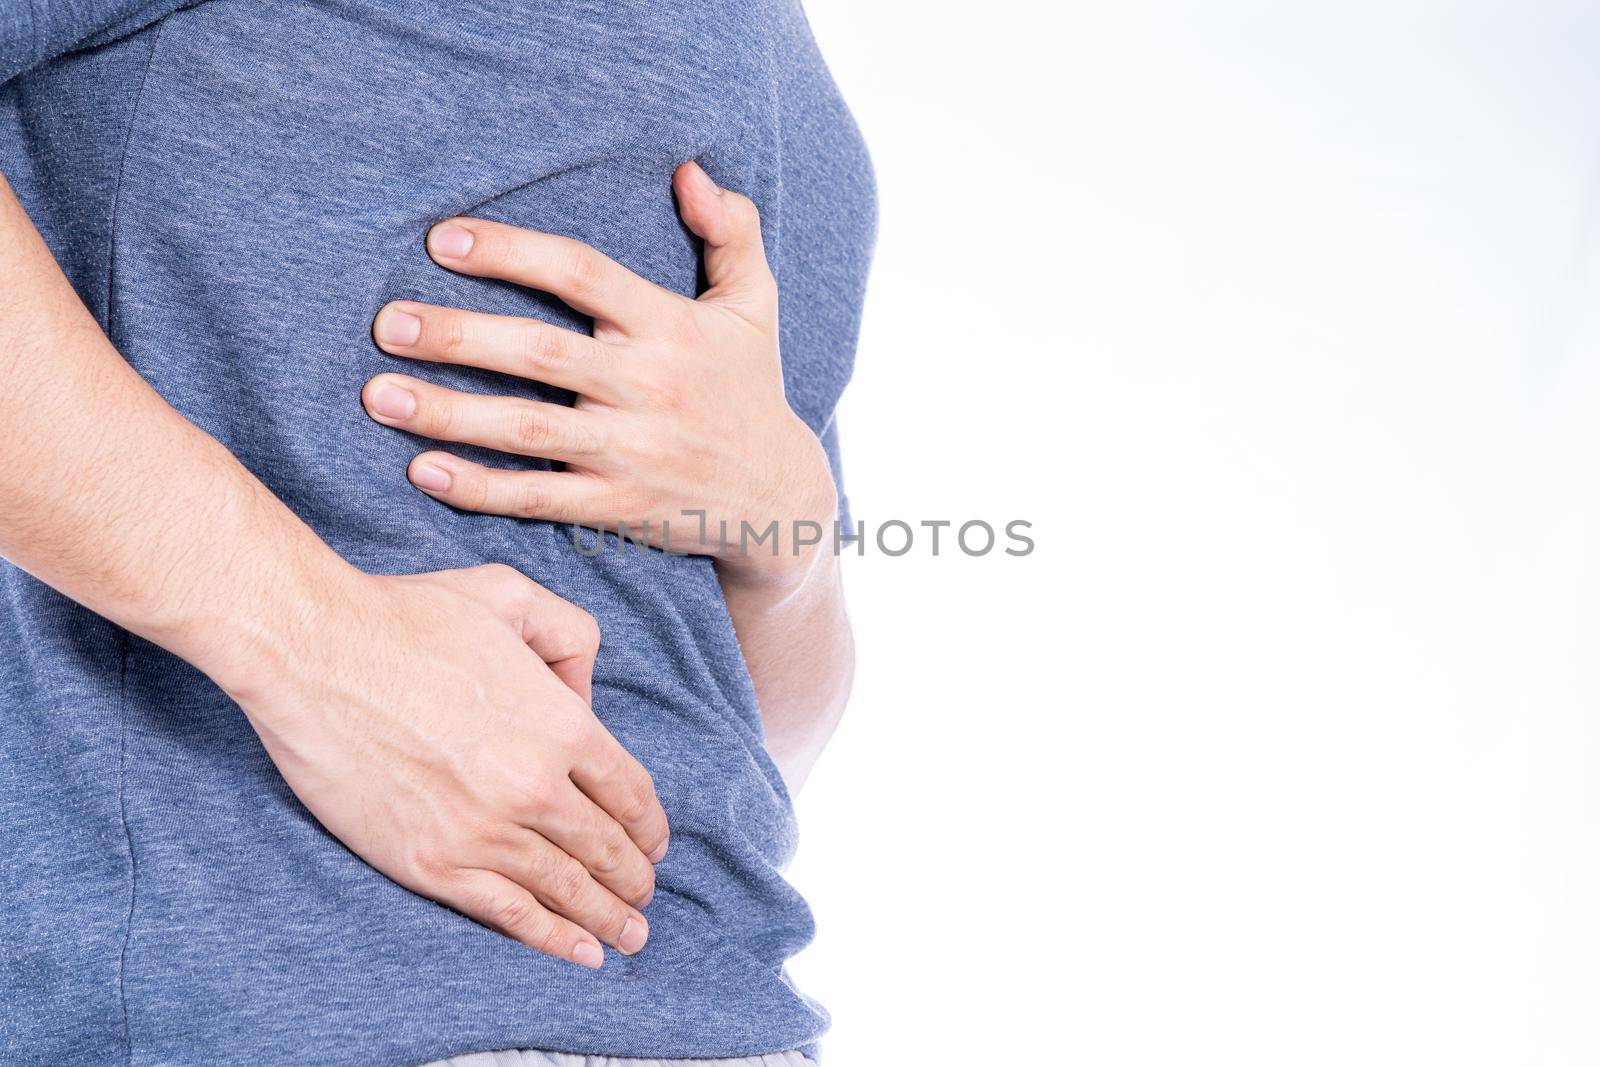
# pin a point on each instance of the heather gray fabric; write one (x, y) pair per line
(235, 187)
(535, 1058)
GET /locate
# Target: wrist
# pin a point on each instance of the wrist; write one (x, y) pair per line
(801, 537)
(246, 617)
(252, 652)
(776, 574)
(781, 568)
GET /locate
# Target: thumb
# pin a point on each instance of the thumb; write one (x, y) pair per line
(730, 226)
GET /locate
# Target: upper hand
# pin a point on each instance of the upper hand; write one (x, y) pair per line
(680, 405)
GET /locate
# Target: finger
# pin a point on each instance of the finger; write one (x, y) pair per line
(501, 904)
(730, 225)
(525, 348)
(580, 829)
(504, 423)
(567, 638)
(559, 632)
(556, 496)
(622, 788)
(560, 882)
(586, 279)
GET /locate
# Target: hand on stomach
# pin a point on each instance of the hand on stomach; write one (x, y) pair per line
(439, 725)
(681, 434)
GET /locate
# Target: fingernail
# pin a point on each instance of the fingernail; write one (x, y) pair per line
(634, 934)
(432, 478)
(660, 852)
(703, 179)
(397, 327)
(392, 402)
(588, 954)
(449, 241)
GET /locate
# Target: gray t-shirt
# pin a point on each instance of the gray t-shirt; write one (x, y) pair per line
(235, 187)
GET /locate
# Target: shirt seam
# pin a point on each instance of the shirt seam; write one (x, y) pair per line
(127, 839)
(125, 640)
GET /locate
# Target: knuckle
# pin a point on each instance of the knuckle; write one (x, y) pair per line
(530, 427)
(508, 580)
(586, 630)
(530, 501)
(577, 728)
(742, 209)
(613, 920)
(437, 415)
(543, 348)
(564, 883)
(638, 796)
(511, 914)
(577, 635)
(449, 333)
(471, 489)
(640, 888)
(580, 266)
(534, 795)
(429, 867)
(611, 857)
(502, 574)
(481, 829)
(547, 939)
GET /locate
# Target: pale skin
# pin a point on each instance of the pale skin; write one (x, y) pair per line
(439, 724)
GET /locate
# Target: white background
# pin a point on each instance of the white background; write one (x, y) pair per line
(1280, 323)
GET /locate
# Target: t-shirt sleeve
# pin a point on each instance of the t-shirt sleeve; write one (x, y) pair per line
(33, 32)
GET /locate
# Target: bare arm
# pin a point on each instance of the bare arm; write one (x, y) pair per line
(359, 686)
(798, 645)
(119, 502)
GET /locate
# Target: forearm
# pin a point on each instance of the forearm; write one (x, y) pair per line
(113, 498)
(801, 654)
(420, 718)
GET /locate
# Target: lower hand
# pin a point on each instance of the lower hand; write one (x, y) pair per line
(438, 724)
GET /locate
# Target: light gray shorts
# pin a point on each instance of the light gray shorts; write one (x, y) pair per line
(531, 1058)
